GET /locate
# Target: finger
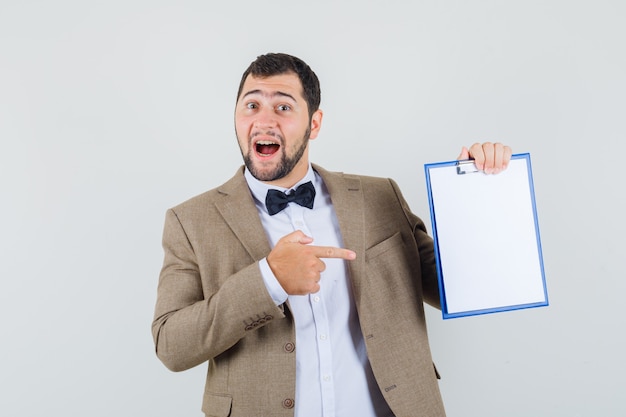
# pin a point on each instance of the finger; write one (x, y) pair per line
(488, 151)
(314, 288)
(321, 267)
(312, 284)
(508, 152)
(477, 153)
(332, 252)
(498, 157)
(501, 157)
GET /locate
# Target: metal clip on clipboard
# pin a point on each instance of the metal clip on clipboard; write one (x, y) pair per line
(466, 166)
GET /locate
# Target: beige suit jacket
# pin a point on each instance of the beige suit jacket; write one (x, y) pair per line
(212, 304)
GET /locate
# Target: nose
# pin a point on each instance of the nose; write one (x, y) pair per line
(266, 119)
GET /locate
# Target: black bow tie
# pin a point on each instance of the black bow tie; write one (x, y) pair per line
(276, 201)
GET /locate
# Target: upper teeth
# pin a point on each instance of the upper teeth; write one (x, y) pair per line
(265, 142)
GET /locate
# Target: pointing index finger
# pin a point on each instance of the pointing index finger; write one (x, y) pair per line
(333, 252)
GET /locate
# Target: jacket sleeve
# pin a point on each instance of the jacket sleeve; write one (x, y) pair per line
(426, 249)
(199, 317)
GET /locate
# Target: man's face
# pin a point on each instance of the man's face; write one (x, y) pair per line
(273, 128)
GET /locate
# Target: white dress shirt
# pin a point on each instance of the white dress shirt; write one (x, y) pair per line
(333, 374)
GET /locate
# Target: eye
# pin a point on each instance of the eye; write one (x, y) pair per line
(283, 107)
(251, 106)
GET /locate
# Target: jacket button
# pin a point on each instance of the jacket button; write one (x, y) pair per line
(288, 403)
(289, 347)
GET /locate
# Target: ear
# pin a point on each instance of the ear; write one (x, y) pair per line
(316, 123)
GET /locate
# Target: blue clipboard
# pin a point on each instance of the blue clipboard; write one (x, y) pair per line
(486, 236)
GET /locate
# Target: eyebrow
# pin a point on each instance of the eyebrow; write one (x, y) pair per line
(274, 94)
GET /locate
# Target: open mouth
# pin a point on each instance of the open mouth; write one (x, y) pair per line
(266, 147)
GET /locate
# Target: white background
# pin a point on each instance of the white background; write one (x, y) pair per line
(113, 111)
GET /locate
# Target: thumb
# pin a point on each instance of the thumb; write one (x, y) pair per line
(297, 237)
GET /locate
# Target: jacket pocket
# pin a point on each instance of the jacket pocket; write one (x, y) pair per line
(217, 405)
(391, 242)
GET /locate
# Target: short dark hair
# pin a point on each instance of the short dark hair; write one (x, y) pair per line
(278, 63)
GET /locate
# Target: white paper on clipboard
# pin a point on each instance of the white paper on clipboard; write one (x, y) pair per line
(487, 244)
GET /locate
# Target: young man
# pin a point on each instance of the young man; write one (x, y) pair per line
(309, 302)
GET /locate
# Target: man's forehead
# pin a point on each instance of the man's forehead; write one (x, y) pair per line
(281, 84)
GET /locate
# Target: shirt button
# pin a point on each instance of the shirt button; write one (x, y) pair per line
(323, 336)
(288, 403)
(289, 347)
(299, 223)
(326, 378)
(316, 298)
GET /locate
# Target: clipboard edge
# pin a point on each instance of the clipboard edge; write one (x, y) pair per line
(470, 313)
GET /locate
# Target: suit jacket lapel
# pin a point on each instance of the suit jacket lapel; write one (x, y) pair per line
(348, 201)
(240, 213)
